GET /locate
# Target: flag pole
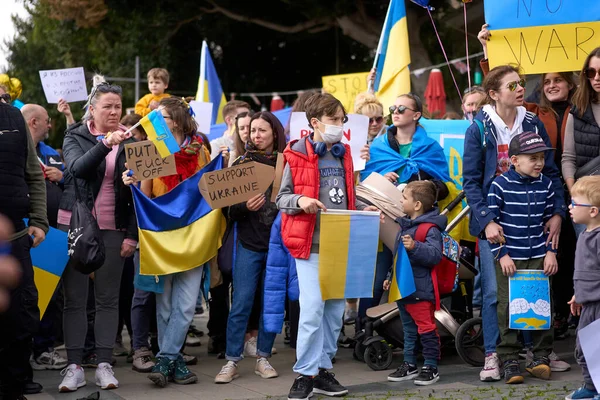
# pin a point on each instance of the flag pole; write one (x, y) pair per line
(380, 44)
(202, 78)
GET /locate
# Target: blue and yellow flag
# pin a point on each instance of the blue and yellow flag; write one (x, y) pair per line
(178, 231)
(403, 281)
(393, 56)
(159, 133)
(49, 261)
(348, 253)
(209, 86)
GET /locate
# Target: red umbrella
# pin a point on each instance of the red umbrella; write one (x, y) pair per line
(435, 95)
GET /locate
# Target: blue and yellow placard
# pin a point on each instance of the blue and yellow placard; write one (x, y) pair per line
(529, 301)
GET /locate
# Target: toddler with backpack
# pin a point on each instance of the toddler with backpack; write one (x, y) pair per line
(421, 235)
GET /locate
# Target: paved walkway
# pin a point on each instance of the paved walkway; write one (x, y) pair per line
(458, 380)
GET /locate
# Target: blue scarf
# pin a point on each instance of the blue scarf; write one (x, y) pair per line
(426, 155)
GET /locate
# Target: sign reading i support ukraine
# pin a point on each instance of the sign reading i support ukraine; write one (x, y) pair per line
(542, 35)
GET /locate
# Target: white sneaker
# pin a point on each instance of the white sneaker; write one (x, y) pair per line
(250, 347)
(105, 377)
(48, 360)
(228, 373)
(74, 378)
(558, 365)
(491, 369)
(264, 369)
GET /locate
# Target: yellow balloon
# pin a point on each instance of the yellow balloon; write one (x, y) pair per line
(16, 88)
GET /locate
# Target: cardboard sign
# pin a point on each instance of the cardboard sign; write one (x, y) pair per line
(234, 185)
(278, 177)
(146, 163)
(356, 131)
(202, 115)
(68, 84)
(345, 87)
(529, 300)
(542, 35)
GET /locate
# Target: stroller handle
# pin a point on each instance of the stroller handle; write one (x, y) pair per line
(454, 203)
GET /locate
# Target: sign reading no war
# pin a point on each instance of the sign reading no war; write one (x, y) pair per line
(234, 185)
(542, 35)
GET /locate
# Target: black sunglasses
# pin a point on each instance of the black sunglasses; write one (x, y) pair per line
(377, 120)
(591, 73)
(5, 97)
(512, 86)
(105, 87)
(400, 109)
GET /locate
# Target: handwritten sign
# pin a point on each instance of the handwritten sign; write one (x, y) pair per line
(68, 84)
(202, 115)
(345, 87)
(529, 300)
(234, 185)
(356, 131)
(542, 35)
(145, 161)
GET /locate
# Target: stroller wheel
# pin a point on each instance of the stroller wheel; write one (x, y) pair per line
(469, 342)
(359, 352)
(378, 356)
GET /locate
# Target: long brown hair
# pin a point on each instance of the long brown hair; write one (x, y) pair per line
(278, 131)
(493, 80)
(179, 112)
(585, 94)
(546, 104)
(239, 146)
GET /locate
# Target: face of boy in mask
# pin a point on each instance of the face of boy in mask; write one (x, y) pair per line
(329, 129)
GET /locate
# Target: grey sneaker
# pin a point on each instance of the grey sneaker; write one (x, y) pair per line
(142, 360)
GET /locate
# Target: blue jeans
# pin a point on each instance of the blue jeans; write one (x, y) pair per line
(175, 309)
(320, 321)
(384, 262)
(489, 290)
(248, 278)
(423, 326)
(142, 308)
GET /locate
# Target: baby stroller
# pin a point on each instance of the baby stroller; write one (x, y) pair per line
(383, 332)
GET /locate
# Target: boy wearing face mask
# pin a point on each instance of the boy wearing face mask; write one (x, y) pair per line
(318, 175)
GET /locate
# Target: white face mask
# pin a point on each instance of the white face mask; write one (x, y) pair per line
(332, 134)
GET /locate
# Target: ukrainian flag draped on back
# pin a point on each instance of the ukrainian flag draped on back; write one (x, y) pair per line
(393, 52)
(209, 86)
(348, 253)
(178, 231)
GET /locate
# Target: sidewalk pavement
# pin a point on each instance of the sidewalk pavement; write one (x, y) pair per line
(457, 380)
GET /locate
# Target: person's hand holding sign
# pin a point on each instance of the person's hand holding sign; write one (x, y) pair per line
(310, 206)
(255, 203)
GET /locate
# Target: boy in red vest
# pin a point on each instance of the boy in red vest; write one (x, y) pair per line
(318, 175)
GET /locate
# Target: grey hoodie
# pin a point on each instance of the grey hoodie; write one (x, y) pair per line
(586, 279)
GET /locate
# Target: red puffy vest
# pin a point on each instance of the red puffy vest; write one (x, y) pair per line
(297, 230)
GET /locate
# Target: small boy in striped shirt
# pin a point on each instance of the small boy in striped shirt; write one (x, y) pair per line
(523, 201)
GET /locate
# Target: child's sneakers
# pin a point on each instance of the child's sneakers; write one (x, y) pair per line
(405, 372)
(428, 376)
(540, 368)
(583, 393)
(512, 372)
(491, 369)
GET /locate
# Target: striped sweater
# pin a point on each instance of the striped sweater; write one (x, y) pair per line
(522, 206)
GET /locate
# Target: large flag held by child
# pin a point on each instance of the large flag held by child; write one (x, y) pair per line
(348, 253)
(178, 231)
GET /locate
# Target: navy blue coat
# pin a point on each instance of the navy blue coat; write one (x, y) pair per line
(280, 280)
(479, 169)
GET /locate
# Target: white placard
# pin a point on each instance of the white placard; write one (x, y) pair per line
(588, 339)
(68, 84)
(203, 115)
(356, 131)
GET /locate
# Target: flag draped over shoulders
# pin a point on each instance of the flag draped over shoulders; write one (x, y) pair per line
(426, 155)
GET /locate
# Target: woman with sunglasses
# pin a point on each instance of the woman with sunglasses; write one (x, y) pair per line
(368, 105)
(555, 95)
(485, 157)
(581, 155)
(95, 158)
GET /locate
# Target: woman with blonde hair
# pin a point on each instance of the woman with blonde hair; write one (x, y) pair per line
(368, 105)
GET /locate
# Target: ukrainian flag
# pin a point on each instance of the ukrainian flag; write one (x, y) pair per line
(178, 231)
(159, 133)
(393, 56)
(403, 281)
(209, 86)
(348, 253)
(49, 261)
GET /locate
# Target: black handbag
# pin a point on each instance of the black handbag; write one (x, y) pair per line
(227, 252)
(590, 168)
(86, 247)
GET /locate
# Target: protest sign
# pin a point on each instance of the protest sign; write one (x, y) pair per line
(68, 84)
(356, 131)
(542, 35)
(234, 185)
(529, 300)
(202, 115)
(345, 87)
(145, 161)
(588, 338)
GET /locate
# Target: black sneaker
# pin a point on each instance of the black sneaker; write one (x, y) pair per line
(428, 376)
(539, 367)
(512, 372)
(302, 389)
(325, 383)
(404, 373)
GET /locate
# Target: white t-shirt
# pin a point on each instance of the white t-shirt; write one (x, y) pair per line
(504, 135)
